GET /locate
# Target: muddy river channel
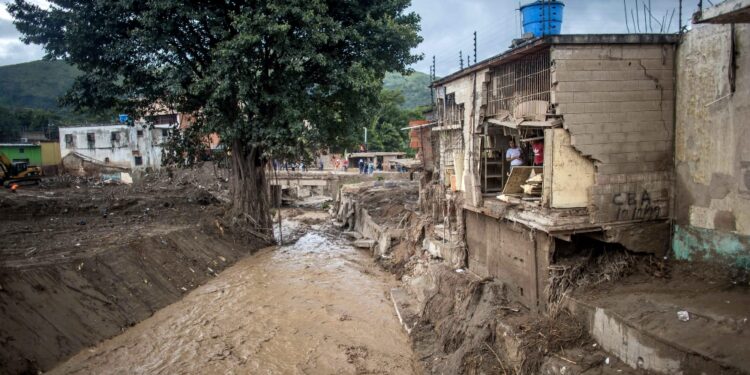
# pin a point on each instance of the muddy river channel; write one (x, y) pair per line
(318, 306)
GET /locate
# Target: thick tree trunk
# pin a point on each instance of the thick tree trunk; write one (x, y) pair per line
(249, 191)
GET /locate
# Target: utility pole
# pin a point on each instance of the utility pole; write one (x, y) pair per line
(461, 59)
(432, 79)
(475, 46)
(364, 127)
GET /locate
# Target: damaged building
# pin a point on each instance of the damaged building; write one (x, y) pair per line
(111, 148)
(712, 160)
(603, 108)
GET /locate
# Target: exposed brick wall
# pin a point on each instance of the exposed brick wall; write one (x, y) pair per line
(617, 103)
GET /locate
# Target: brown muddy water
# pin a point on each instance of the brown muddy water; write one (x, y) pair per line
(318, 306)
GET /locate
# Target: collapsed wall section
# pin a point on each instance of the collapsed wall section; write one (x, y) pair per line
(617, 104)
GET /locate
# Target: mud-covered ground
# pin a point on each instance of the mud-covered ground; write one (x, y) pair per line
(82, 261)
(317, 306)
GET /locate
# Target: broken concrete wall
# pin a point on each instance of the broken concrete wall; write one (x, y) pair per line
(617, 104)
(712, 161)
(512, 253)
(301, 185)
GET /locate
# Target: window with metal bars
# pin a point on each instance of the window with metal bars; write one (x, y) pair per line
(450, 112)
(520, 88)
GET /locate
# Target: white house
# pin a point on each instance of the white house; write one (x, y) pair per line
(118, 146)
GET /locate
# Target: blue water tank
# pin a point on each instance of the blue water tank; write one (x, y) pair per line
(542, 17)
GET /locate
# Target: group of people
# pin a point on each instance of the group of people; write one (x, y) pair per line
(287, 166)
(337, 163)
(514, 154)
(369, 167)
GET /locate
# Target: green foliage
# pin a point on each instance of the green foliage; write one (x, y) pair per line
(29, 95)
(270, 77)
(414, 87)
(13, 121)
(386, 121)
(36, 84)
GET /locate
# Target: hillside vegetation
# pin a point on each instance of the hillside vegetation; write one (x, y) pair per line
(29, 95)
(35, 84)
(414, 88)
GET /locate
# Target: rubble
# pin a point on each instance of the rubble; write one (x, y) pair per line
(463, 323)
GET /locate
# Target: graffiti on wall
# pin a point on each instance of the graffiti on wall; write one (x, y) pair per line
(635, 206)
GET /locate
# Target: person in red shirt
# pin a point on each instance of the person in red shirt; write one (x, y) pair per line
(538, 147)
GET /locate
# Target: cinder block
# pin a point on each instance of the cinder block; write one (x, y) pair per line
(642, 136)
(644, 52)
(644, 116)
(586, 118)
(572, 108)
(630, 85)
(657, 63)
(561, 97)
(617, 96)
(587, 52)
(582, 139)
(573, 75)
(624, 168)
(638, 106)
(611, 179)
(572, 87)
(632, 157)
(602, 107)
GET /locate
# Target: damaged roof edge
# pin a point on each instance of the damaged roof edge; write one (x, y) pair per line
(538, 43)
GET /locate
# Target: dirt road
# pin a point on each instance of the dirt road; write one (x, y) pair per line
(316, 307)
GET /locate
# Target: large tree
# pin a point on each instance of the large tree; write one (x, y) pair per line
(270, 77)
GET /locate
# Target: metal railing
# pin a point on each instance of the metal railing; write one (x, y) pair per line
(521, 87)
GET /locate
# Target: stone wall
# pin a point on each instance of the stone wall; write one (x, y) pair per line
(712, 157)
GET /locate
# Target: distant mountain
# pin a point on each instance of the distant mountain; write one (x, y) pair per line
(36, 84)
(414, 87)
(39, 84)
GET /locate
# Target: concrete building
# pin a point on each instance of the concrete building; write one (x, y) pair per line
(28, 152)
(119, 146)
(44, 154)
(712, 158)
(603, 106)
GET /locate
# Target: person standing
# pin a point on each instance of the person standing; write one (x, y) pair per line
(361, 164)
(538, 147)
(513, 154)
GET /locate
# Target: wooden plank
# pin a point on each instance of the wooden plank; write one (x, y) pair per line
(518, 177)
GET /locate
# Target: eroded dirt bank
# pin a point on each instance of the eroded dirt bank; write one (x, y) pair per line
(83, 261)
(315, 307)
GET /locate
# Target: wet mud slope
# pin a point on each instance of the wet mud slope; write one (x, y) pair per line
(316, 306)
(82, 264)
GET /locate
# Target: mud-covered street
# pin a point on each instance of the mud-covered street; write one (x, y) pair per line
(317, 306)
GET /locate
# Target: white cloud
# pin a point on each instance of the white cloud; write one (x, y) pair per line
(448, 25)
(12, 49)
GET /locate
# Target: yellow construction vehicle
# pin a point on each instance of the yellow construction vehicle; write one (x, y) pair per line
(18, 172)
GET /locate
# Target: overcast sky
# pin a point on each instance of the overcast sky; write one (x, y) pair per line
(447, 27)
